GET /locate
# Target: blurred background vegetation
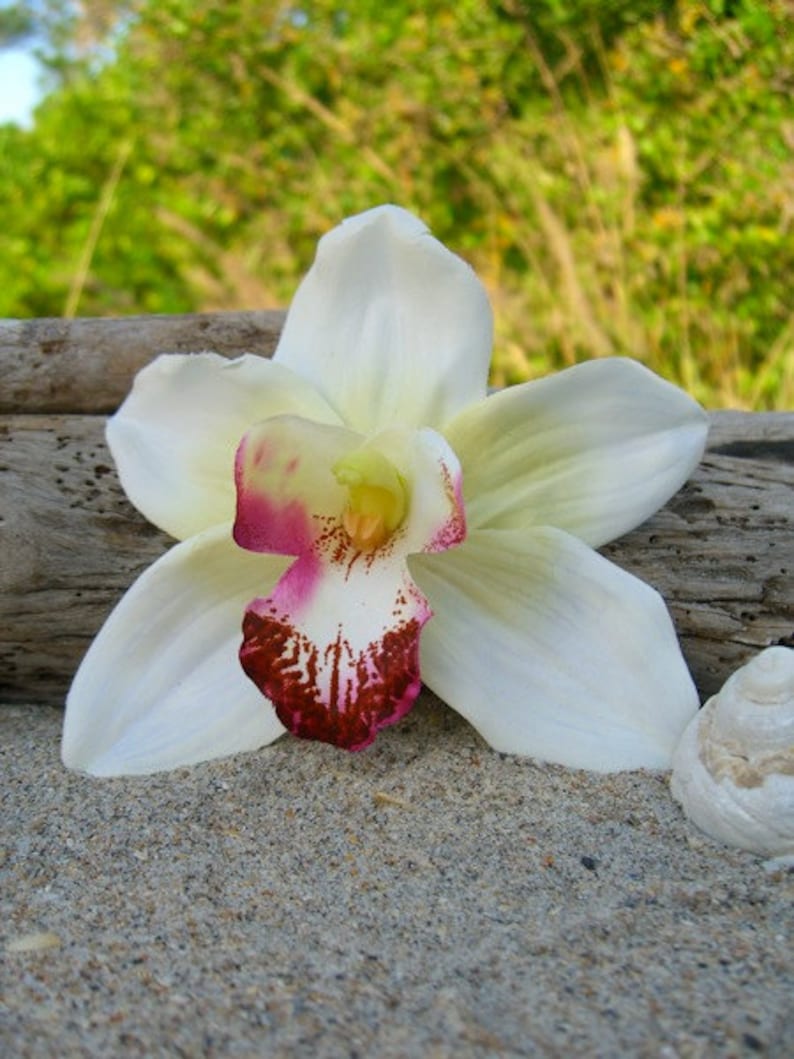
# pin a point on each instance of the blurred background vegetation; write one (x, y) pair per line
(619, 172)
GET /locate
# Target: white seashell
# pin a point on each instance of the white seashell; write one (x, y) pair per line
(733, 770)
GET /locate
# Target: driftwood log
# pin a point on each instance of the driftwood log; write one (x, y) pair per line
(721, 552)
(85, 366)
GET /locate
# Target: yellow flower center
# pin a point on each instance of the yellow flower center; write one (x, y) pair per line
(377, 497)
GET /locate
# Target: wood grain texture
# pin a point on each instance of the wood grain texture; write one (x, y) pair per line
(721, 552)
(86, 365)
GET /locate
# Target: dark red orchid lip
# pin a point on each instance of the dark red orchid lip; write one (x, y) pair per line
(286, 666)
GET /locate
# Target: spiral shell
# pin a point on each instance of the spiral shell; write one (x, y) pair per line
(733, 771)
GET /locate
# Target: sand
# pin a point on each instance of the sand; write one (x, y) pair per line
(427, 897)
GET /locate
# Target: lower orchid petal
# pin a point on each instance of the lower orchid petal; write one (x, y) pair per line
(594, 450)
(175, 436)
(551, 651)
(161, 685)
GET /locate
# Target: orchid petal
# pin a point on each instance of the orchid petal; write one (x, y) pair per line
(551, 651)
(389, 325)
(286, 490)
(336, 646)
(288, 497)
(175, 436)
(594, 450)
(161, 685)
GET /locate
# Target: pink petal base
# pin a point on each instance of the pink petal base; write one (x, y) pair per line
(334, 694)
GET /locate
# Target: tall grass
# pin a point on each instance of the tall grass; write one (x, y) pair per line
(609, 271)
(628, 197)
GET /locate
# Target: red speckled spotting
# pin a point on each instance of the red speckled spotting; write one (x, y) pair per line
(381, 681)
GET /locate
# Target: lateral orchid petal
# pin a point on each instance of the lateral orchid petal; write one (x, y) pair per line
(335, 647)
(583, 666)
(389, 325)
(286, 490)
(175, 436)
(593, 450)
(161, 685)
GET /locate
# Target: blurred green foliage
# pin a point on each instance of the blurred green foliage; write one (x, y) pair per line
(620, 174)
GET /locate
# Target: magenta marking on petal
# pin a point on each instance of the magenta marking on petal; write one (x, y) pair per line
(453, 531)
(262, 455)
(295, 589)
(263, 526)
(334, 693)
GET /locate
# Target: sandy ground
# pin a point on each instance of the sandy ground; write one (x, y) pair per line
(427, 897)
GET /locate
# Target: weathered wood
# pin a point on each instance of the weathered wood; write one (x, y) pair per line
(86, 365)
(721, 552)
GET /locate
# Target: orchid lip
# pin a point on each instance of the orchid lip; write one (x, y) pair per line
(337, 693)
(335, 646)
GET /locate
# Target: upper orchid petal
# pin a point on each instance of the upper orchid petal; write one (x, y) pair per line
(594, 450)
(389, 325)
(161, 685)
(335, 647)
(583, 666)
(175, 436)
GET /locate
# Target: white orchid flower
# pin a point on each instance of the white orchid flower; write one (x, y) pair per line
(376, 485)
